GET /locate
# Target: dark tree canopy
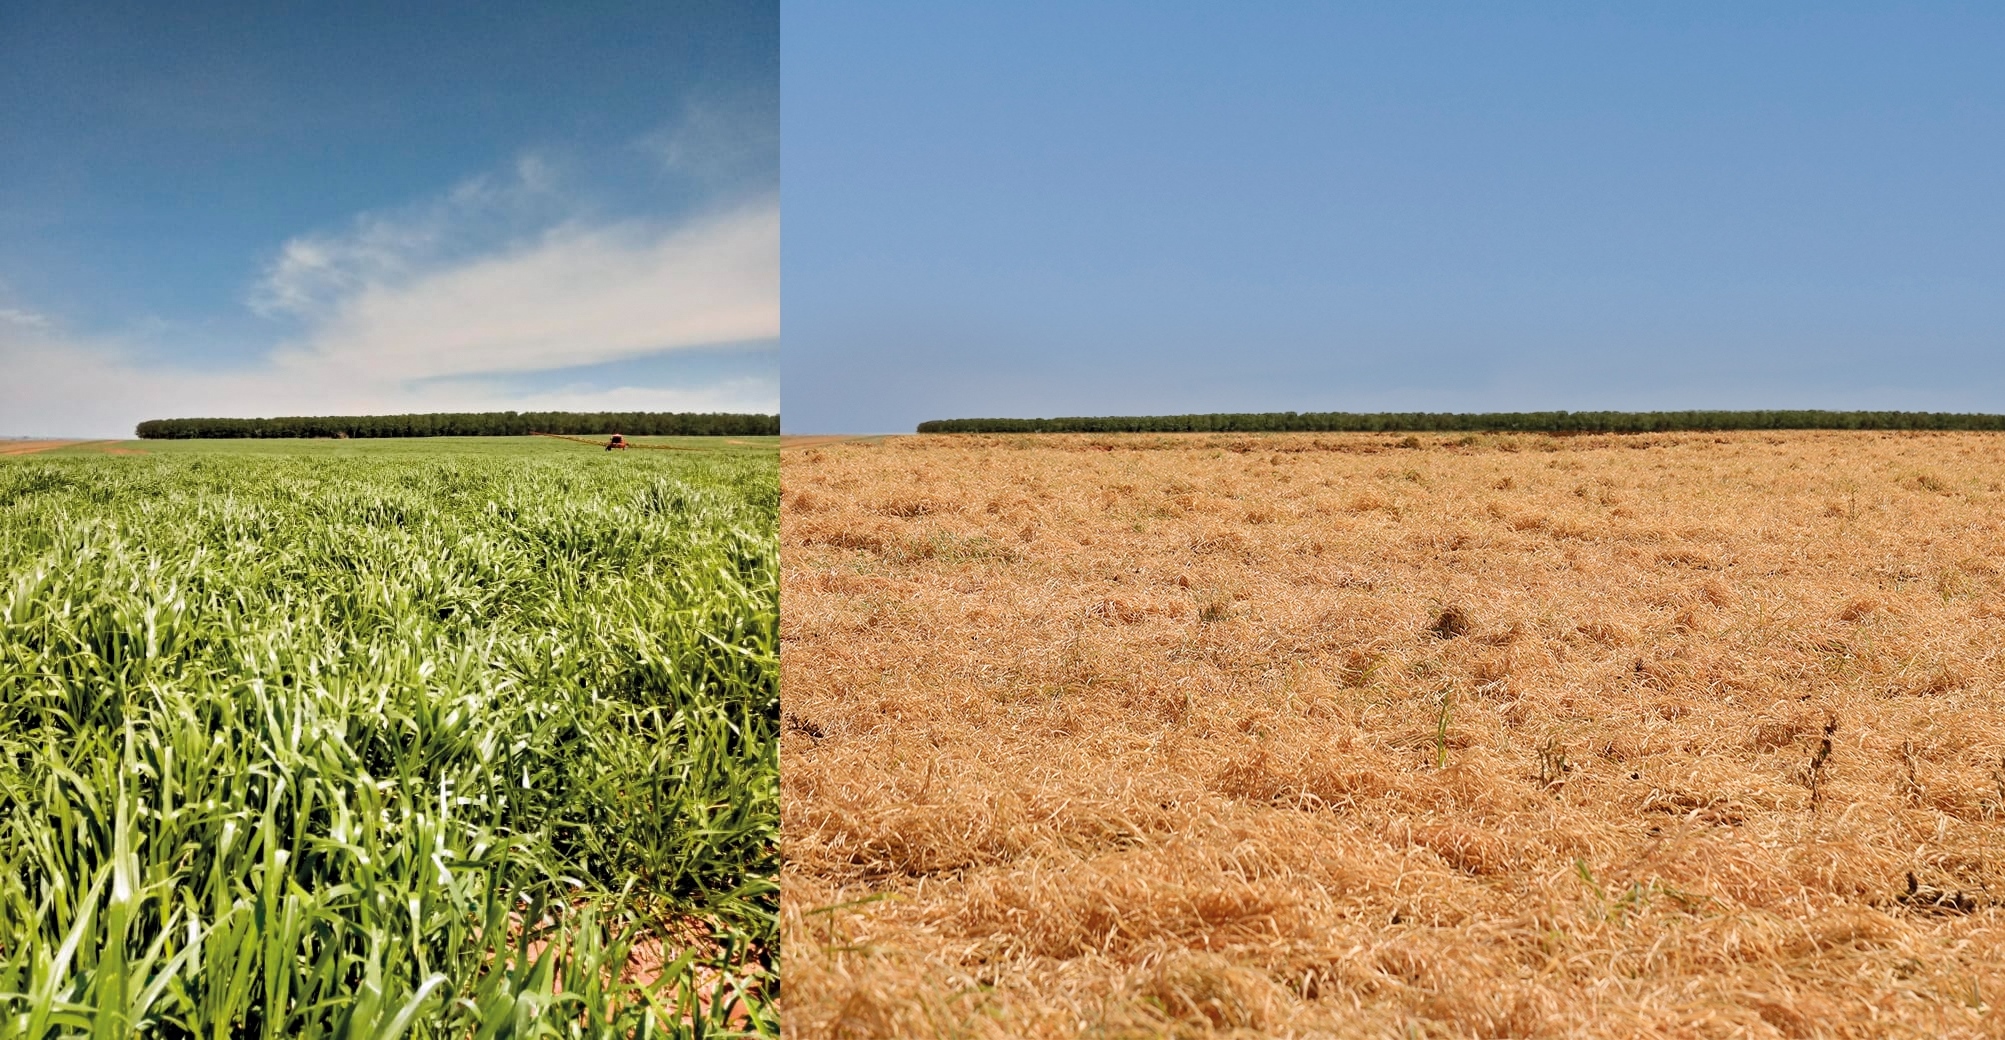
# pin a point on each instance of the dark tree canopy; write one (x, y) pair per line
(1475, 422)
(470, 424)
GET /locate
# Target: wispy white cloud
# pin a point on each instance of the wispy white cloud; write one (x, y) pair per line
(575, 296)
(429, 307)
(313, 272)
(26, 319)
(65, 386)
(720, 139)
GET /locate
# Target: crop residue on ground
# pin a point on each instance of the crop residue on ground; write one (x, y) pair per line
(1675, 735)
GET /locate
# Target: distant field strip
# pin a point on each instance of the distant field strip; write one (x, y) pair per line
(810, 440)
(444, 742)
(1476, 422)
(34, 447)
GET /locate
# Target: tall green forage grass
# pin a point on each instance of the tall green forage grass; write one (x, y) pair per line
(432, 745)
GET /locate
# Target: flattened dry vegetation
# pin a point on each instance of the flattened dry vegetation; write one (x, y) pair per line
(1354, 735)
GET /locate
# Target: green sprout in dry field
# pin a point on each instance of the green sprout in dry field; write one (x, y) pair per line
(443, 743)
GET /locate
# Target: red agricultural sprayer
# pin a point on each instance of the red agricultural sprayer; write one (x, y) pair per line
(617, 442)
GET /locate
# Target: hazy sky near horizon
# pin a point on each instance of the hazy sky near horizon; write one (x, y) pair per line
(1048, 209)
(246, 209)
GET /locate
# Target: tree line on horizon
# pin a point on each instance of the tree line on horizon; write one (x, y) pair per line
(1476, 422)
(470, 424)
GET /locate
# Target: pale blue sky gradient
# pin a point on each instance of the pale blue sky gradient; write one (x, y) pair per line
(1131, 208)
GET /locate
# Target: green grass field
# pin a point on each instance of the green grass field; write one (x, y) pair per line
(444, 738)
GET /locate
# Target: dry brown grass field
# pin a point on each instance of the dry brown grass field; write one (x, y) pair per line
(30, 447)
(1349, 735)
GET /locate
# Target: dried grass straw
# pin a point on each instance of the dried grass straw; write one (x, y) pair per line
(1350, 735)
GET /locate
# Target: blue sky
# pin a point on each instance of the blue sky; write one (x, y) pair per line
(1122, 208)
(258, 209)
